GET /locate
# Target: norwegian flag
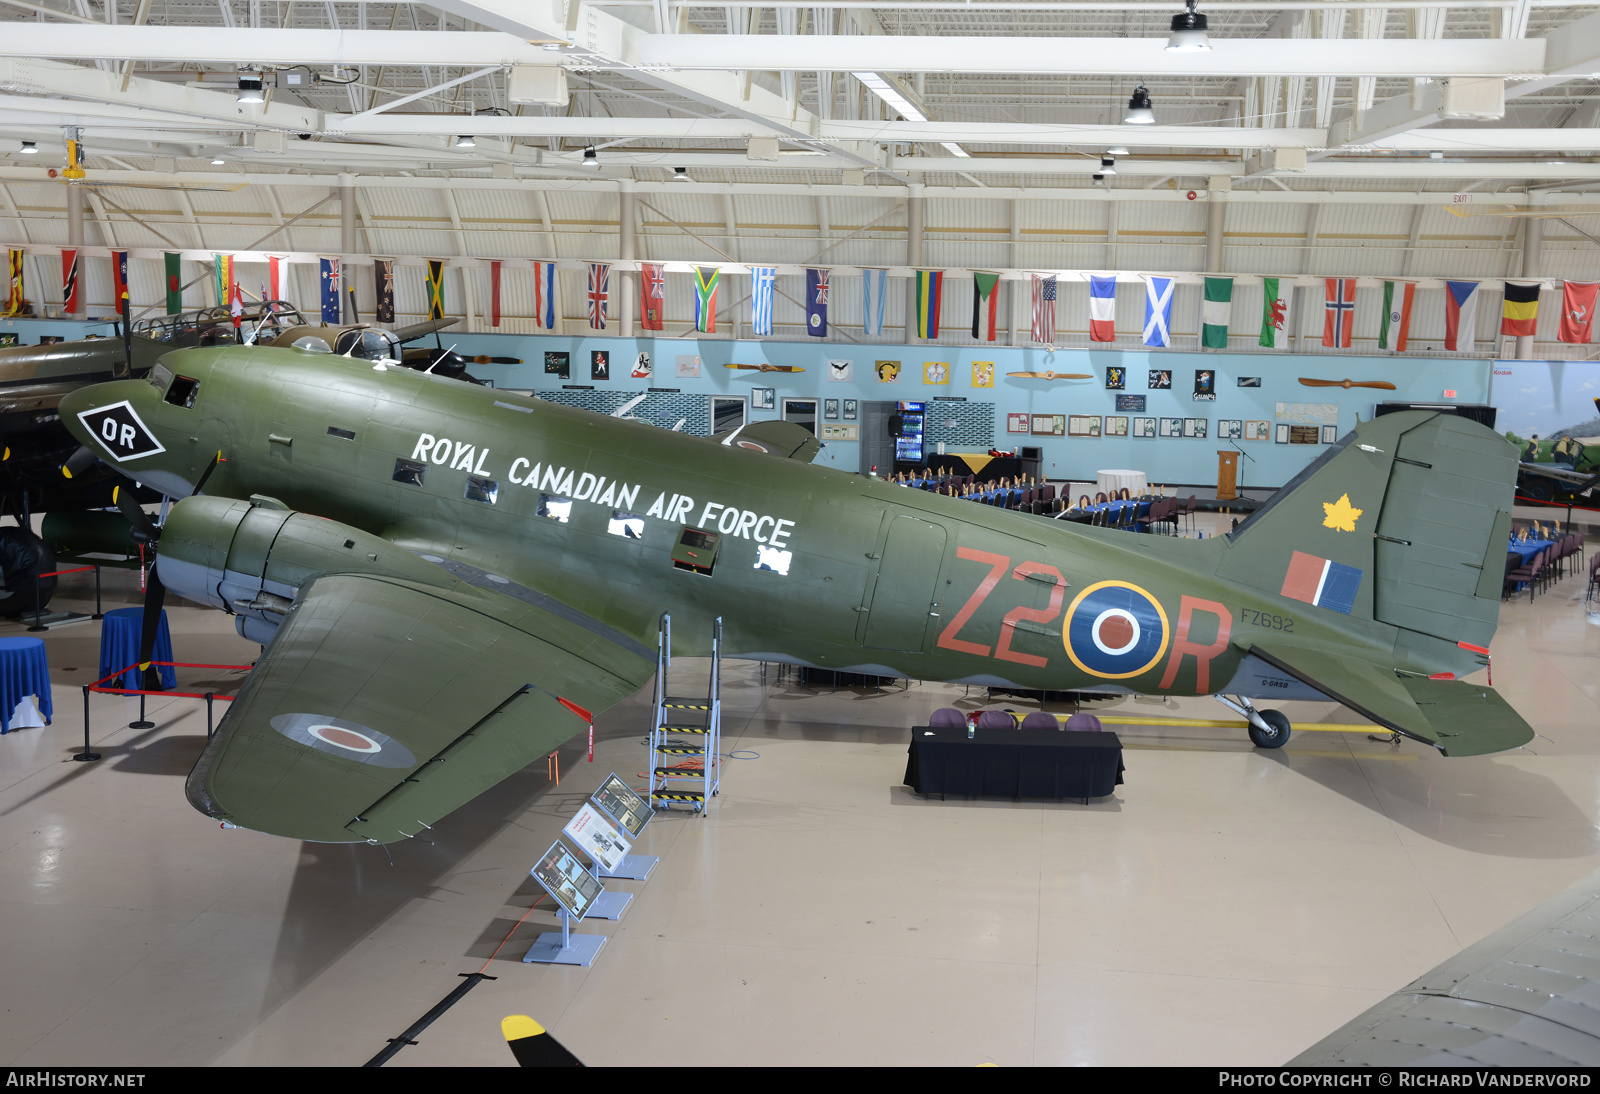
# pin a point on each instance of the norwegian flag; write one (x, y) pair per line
(1340, 315)
(1044, 309)
(599, 289)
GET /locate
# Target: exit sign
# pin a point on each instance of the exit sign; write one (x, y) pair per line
(1449, 393)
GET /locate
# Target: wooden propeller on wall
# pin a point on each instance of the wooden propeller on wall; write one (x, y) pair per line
(1054, 375)
(1384, 385)
(769, 368)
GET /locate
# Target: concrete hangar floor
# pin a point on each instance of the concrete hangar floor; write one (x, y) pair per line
(1227, 905)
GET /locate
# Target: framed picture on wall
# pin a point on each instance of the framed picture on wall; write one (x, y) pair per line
(1249, 381)
(1051, 425)
(1172, 427)
(830, 409)
(1016, 423)
(1130, 404)
(1255, 430)
(1281, 436)
(1330, 434)
(1229, 429)
(763, 398)
(1116, 426)
(1160, 379)
(1083, 425)
(1194, 427)
(849, 410)
(1116, 377)
(1144, 427)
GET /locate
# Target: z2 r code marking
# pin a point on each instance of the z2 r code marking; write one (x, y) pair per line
(1266, 619)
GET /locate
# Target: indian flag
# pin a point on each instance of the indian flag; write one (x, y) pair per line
(1218, 309)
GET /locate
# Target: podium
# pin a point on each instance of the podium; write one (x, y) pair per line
(1227, 475)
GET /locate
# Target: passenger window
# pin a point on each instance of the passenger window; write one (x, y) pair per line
(484, 490)
(555, 507)
(335, 431)
(410, 472)
(183, 391)
(626, 525)
(696, 550)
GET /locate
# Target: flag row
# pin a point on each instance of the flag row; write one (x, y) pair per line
(1519, 307)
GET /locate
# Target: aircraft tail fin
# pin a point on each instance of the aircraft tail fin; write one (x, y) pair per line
(1404, 521)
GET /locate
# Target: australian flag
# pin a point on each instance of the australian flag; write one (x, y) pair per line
(817, 303)
(330, 290)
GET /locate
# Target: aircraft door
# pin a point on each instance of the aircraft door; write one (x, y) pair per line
(903, 597)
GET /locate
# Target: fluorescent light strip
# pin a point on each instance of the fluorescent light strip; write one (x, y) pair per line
(886, 91)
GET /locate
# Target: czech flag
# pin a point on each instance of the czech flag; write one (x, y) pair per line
(1460, 315)
(1322, 582)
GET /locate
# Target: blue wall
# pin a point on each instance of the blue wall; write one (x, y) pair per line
(1164, 460)
(29, 331)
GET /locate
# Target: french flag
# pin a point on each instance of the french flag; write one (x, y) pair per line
(1322, 582)
(1460, 315)
(1102, 309)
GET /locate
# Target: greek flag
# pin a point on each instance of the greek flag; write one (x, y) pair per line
(762, 280)
(874, 287)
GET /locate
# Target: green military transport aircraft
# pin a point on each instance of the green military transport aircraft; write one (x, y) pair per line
(448, 578)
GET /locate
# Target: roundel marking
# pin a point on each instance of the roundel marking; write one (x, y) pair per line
(344, 738)
(1115, 630)
(752, 445)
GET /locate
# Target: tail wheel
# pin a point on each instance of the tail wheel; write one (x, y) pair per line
(1276, 733)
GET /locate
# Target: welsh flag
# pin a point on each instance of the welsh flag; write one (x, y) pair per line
(1216, 313)
(1275, 313)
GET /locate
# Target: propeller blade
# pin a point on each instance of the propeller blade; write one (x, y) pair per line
(144, 529)
(79, 462)
(206, 474)
(485, 359)
(155, 593)
(1383, 385)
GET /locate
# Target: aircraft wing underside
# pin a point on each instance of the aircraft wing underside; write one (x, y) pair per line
(381, 705)
(1458, 718)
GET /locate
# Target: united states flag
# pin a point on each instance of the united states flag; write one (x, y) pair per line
(1044, 309)
(599, 288)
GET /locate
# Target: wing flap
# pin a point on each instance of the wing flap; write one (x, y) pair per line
(394, 702)
(1457, 718)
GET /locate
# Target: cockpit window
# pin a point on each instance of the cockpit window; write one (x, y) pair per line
(369, 345)
(183, 391)
(160, 377)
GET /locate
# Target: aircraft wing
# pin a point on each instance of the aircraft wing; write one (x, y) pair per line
(417, 330)
(1525, 996)
(380, 705)
(785, 440)
(1457, 718)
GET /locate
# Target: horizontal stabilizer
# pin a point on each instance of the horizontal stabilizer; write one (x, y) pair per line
(1457, 718)
(783, 439)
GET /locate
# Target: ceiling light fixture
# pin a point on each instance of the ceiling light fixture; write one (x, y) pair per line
(1189, 32)
(250, 89)
(681, 174)
(1117, 151)
(29, 148)
(1139, 112)
(218, 161)
(892, 96)
(464, 142)
(955, 149)
(591, 158)
(1108, 166)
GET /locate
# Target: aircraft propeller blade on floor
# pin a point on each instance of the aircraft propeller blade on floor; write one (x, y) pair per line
(1384, 385)
(532, 1044)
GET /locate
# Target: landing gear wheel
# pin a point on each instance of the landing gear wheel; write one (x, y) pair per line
(1276, 736)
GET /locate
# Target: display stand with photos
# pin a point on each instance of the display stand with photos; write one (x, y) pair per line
(628, 810)
(607, 847)
(575, 890)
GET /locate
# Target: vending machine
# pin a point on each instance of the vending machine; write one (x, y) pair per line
(908, 450)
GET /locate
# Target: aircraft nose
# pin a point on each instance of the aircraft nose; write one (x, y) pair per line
(103, 417)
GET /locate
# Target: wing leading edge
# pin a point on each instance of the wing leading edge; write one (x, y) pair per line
(1457, 718)
(381, 705)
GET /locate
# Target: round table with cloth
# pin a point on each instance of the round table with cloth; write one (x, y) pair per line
(24, 674)
(1112, 480)
(119, 648)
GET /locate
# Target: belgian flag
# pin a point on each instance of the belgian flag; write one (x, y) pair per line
(1520, 315)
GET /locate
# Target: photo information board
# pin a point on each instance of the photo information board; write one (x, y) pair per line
(567, 880)
(597, 837)
(622, 804)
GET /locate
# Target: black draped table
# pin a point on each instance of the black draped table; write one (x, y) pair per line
(982, 468)
(1014, 763)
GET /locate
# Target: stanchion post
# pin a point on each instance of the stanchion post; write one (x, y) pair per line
(142, 723)
(98, 614)
(209, 696)
(38, 610)
(86, 754)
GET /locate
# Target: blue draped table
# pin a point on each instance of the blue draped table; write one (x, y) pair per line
(1529, 548)
(119, 648)
(23, 671)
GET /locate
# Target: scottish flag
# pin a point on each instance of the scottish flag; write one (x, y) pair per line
(1157, 311)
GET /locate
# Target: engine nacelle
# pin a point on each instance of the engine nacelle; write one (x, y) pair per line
(251, 559)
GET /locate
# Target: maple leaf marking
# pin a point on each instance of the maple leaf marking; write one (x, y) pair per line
(1341, 515)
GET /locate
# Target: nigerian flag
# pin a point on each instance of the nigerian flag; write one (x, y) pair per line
(1218, 308)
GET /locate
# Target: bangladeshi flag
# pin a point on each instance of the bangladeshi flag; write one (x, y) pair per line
(174, 284)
